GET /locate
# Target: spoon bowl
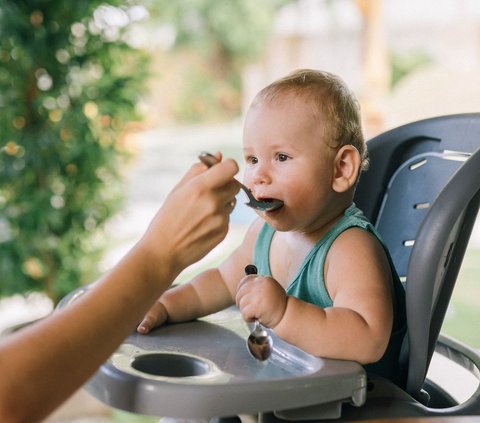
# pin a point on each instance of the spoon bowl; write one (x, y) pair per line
(259, 342)
(262, 205)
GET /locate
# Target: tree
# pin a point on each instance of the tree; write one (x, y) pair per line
(219, 38)
(69, 83)
(376, 67)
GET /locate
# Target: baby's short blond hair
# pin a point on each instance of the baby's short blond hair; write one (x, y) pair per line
(333, 100)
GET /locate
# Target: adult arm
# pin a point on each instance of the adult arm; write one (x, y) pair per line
(43, 364)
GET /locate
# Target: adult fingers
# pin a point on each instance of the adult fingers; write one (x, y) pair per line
(195, 170)
(219, 174)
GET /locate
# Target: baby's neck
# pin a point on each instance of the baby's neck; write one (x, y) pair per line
(318, 229)
(313, 235)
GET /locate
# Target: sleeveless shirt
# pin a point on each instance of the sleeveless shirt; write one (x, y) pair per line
(308, 285)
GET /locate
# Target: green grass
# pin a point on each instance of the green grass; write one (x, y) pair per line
(463, 314)
(125, 417)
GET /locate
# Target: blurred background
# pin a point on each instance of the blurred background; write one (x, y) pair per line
(105, 104)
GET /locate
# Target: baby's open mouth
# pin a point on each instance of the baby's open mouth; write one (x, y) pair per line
(269, 204)
(265, 204)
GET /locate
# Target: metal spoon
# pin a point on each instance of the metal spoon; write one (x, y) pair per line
(259, 342)
(264, 205)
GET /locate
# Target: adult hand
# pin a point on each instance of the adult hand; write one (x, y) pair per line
(261, 298)
(194, 217)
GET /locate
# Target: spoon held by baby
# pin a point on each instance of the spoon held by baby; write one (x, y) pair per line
(259, 342)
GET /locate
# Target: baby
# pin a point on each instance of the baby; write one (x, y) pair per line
(325, 282)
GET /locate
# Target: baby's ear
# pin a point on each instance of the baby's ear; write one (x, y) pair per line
(346, 168)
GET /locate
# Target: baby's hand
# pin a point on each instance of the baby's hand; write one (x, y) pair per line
(156, 316)
(261, 298)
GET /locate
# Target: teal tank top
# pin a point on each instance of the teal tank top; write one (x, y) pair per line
(308, 285)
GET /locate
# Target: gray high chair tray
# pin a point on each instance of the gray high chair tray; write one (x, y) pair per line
(202, 369)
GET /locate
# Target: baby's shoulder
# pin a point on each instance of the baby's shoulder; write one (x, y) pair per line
(356, 243)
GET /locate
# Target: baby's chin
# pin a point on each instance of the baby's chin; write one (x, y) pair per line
(280, 225)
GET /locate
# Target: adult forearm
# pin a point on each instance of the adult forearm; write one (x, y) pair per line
(74, 341)
(45, 363)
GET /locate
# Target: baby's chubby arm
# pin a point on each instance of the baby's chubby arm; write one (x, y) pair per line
(204, 294)
(358, 326)
(209, 292)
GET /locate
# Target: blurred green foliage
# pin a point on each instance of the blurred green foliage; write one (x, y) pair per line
(463, 310)
(234, 29)
(222, 37)
(406, 63)
(69, 83)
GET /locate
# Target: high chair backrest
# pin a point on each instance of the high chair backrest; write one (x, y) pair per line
(422, 192)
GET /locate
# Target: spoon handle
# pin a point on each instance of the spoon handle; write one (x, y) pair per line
(259, 342)
(210, 160)
(251, 269)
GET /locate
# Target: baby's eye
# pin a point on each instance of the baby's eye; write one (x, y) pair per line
(251, 160)
(282, 157)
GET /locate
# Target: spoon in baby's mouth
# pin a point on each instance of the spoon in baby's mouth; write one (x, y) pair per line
(262, 205)
(259, 342)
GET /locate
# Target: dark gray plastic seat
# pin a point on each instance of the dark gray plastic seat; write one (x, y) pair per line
(422, 192)
(425, 208)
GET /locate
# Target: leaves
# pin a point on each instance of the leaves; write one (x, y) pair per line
(68, 86)
(213, 40)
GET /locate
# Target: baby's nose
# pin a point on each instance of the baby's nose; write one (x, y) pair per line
(262, 175)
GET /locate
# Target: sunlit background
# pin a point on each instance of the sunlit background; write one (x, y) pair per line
(155, 82)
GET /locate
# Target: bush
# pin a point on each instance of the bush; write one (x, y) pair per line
(68, 86)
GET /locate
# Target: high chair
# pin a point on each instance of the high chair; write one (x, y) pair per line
(422, 192)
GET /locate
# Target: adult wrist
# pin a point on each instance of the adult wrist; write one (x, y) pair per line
(158, 269)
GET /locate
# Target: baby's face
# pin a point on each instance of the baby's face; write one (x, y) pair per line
(287, 158)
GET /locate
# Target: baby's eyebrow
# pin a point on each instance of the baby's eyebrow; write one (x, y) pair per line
(248, 153)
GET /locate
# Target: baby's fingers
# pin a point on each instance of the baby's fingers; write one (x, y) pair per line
(156, 316)
(243, 289)
(145, 326)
